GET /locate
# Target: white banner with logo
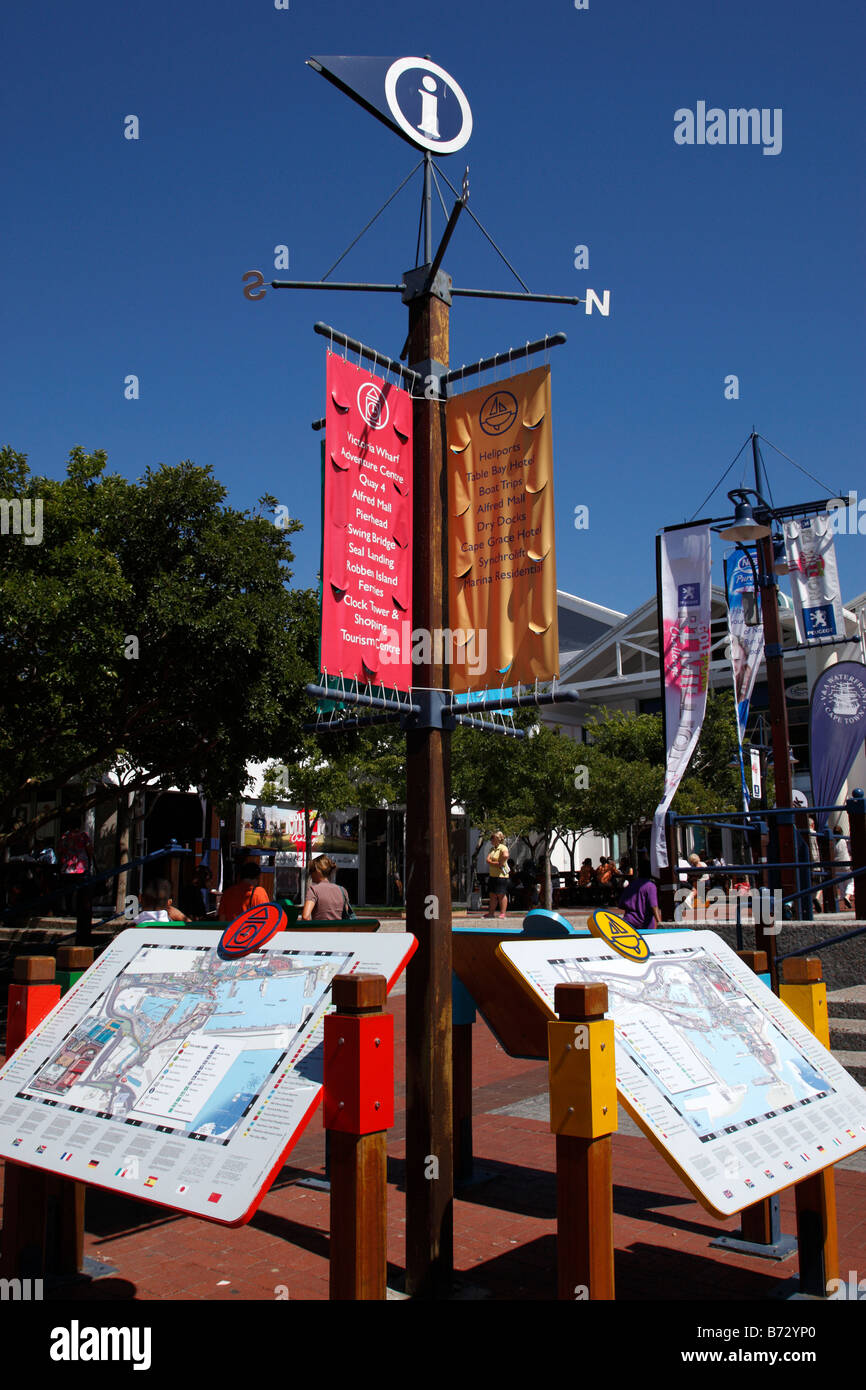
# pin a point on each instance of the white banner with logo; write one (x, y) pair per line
(815, 588)
(746, 639)
(685, 581)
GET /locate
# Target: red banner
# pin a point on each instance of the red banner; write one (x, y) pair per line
(367, 555)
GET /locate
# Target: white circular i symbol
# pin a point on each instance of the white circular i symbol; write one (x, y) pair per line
(426, 133)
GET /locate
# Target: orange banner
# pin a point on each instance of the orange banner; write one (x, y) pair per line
(501, 552)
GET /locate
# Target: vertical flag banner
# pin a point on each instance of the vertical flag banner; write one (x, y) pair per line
(501, 554)
(685, 658)
(367, 528)
(746, 642)
(837, 728)
(811, 554)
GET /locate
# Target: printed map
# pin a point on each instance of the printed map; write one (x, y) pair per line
(718, 1058)
(183, 1041)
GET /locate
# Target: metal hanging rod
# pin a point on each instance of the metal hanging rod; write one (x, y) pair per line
(562, 697)
(336, 726)
(325, 331)
(513, 355)
(353, 697)
(363, 286)
(518, 294)
(488, 727)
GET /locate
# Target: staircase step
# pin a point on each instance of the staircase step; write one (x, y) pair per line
(847, 1003)
(849, 1033)
(854, 1063)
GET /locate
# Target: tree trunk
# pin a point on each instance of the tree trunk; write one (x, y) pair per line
(548, 887)
(124, 818)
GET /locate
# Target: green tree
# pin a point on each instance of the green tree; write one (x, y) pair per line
(152, 630)
(333, 770)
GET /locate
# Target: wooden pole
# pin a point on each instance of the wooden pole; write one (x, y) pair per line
(429, 1135)
(583, 1114)
(358, 1109)
(805, 994)
(778, 711)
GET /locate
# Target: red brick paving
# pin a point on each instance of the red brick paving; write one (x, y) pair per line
(505, 1229)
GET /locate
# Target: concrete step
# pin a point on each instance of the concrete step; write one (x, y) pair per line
(853, 1062)
(848, 1033)
(847, 1003)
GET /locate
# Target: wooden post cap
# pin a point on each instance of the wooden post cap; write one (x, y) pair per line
(34, 970)
(803, 970)
(578, 1003)
(755, 960)
(74, 957)
(359, 994)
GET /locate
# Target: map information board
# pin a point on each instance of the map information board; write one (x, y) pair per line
(174, 1076)
(729, 1085)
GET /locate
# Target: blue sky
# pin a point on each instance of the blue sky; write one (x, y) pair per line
(126, 256)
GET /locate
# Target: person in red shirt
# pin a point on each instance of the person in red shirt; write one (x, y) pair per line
(244, 894)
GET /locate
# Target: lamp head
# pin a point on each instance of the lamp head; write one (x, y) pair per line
(744, 526)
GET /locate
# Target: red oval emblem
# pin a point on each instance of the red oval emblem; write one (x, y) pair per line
(251, 930)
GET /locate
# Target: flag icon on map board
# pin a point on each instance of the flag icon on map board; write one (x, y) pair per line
(214, 1196)
(150, 1182)
(183, 1188)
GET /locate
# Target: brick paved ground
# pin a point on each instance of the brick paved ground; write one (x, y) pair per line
(504, 1227)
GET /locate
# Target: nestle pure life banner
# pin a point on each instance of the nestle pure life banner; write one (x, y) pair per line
(685, 598)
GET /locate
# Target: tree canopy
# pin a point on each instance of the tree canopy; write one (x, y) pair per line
(151, 631)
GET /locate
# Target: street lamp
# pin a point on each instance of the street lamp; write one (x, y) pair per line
(744, 527)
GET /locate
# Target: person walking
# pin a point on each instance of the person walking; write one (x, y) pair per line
(499, 876)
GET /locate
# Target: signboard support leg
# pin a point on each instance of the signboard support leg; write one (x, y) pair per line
(761, 1223)
(43, 1215)
(583, 1114)
(72, 961)
(805, 994)
(358, 1108)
